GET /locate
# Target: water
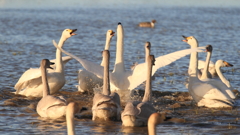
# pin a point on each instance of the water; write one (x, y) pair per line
(26, 38)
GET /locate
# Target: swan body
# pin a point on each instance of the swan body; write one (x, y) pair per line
(137, 113)
(106, 105)
(122, 79)
(204, 93)
(153, 121)
(87, 80)
(217, 83)
(49, 106)
(30, 83)
(147, 24)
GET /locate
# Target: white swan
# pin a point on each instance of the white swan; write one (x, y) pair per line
(218, 65)
(147, 24)
(106, 105)
(72, 109)
(49, 106)
(87, 80)
(30, 83)
(216, 82)
(137, 113)
(153, 121)
(122, 79)
(203, 93)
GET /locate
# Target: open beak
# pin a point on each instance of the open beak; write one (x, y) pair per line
(112, 33)
(185, 38)
(72, 33)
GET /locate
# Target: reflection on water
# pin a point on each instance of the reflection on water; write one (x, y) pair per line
(26, 38)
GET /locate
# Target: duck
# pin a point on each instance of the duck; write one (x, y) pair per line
(204, 93)
(106, 104)
(87, 80)
(136, 113)
(147, 24)
(30, 83)
(121, 78)
(49, 106)
(153, 121)
(72, 108)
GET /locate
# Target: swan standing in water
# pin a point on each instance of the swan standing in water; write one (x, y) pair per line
(215, 82)
(122, 79)
(137, 113)
(147, 24)
(153, 121)
(106, 105)
(72, 109)
(49, 106)
(87, 80)
(204, 93)
(30, 83)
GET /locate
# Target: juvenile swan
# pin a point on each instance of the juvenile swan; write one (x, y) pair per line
(30, 83)
(87, 80)
(204, 93)
(49, 106)
(106, 105)
(121, 78)
(137, 113)
(72, 109)
(153, 121)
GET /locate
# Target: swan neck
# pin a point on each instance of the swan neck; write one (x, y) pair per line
(59, 64)
(45, 81)
(106, 81)
(148, 89)
(147, 53)
(70, 120)
(119, 62)
(107, 47)
(193, 64)
(151, 129)
(206, 66)
(222, 77)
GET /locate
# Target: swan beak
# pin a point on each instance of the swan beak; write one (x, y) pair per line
(51, 63)
(72, 32)
(112, 33)
(186, 38)
(227, 64)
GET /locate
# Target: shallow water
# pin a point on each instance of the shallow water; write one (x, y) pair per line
(26, 38)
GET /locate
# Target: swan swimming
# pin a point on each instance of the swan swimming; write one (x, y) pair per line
(106, 105)
(49, 106)
(122, 79)
(203, 93)
(136, 113)
(30, 83)
(87, 80)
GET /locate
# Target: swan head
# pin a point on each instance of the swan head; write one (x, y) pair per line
(46, 63)
(209, 48)
(192, 41)
(110, 33)
(223, 63)
(148, 45)
(154, 21)
(67, 33)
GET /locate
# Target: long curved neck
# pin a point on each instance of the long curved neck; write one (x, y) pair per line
(45, 82)
(107, 46)
(222, 77)
(206, 66)
(106, 82)
(151, 129)
(119, 62)
(59, 64)
(147, 53)
(70, 120)
(148, 89)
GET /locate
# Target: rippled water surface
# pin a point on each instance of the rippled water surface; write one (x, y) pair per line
(26, 38)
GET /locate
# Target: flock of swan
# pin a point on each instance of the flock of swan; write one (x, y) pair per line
(49, 78)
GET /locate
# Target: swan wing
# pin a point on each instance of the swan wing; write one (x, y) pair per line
(131, 109)
(139, 73)
(30, 78)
